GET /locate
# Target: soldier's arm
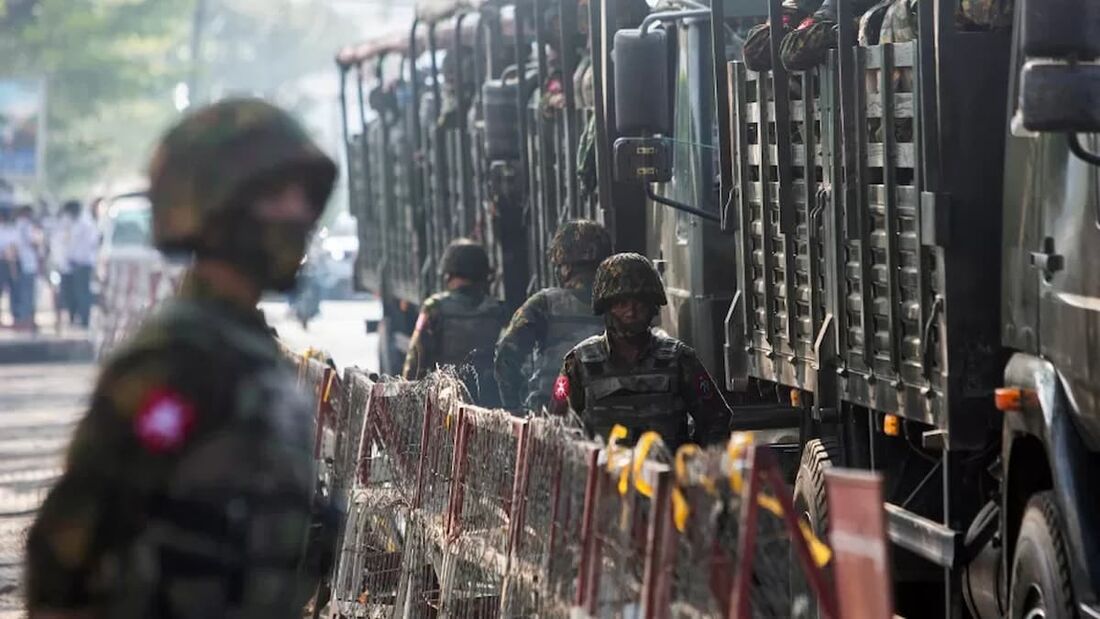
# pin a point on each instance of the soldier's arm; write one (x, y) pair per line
(528, 327)
(142, 412)
(422, 346)
(708, 407)
(568, 391)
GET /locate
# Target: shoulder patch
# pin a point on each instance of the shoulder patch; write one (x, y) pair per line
(164, 421)
(561, 388)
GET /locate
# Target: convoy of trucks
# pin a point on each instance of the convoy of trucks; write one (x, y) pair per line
(892, 255)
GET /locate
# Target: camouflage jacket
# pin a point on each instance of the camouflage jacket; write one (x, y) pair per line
(661, 391)
(451, 326)
(550, 323)
(189, 485)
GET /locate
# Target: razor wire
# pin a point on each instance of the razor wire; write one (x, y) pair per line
(459, 511)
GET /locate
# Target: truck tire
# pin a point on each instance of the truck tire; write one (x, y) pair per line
(1041, 585)
(811, 507)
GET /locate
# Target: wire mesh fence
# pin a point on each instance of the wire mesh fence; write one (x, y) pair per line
(459, 511)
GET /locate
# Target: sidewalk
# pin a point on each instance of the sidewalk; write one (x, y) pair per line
(49, 343)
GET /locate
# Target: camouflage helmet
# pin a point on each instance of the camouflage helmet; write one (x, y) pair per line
(465, 258)
(207, 163)
(580, 241)
(627, 275)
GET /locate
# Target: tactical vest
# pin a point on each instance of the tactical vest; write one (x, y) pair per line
(570, 321)
(226, 534)
(642, 398)
(468, 335)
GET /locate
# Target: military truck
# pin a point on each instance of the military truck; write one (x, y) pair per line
(890, 255)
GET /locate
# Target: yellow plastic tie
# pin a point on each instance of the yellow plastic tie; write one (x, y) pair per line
(617, 434)
(641, 452)
(328, 387)
(680, 510)
(735, 449)
(819, 552)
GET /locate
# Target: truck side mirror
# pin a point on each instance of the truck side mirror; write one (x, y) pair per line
(1060, 79)
(1061, 29)
(642, 110)
(642, 82)
(1060, 96)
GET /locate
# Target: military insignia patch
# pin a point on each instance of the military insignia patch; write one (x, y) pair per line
(164, 421)
(561, 388)
(704, 387)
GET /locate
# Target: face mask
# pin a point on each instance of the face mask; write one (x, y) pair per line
(270, 253)
(619, 329)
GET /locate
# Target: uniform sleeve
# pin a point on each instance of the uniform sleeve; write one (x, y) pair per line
(568, 390)
(517, 342)
(420, 360)
(705, 401)
(143, 411)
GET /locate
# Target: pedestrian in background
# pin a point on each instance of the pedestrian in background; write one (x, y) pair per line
(7, 257)
(28, 249)
(56, 230)
(83, 245)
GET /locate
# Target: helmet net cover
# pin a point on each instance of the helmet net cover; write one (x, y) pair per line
(465, 258)
(207, 164)
(627, 275)
(580, 241)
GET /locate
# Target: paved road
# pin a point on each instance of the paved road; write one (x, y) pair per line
(39, 405)
(340, 329)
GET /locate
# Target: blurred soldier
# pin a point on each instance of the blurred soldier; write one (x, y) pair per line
(459, 326)
(553, 320)
(807, 45)
(757, 51)
(634, 377)
(189, 486)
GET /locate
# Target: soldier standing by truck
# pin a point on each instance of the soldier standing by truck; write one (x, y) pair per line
(189, 488)
(634, 377)
(553, 320)
(459, 327)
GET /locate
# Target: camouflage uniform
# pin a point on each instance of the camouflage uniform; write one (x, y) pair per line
(459, 327)
(189, 488)
(985, 14)
(757, 52)
(666, 389)
(553, 320)
(805, 47)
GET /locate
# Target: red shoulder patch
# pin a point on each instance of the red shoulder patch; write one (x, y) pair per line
(561, 388)
(703, 386)
(164, 421)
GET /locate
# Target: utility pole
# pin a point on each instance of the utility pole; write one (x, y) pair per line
(198, 23)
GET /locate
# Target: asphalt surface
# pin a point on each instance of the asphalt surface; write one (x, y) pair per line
(39, 406)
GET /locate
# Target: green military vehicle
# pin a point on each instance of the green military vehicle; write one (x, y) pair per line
(888, 256)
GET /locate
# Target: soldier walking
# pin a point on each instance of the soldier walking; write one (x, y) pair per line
(459, 326)
(189, 485)
(633, 376)
(553, 320)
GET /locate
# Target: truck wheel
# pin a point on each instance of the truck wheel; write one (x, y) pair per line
(1041, 585)
(811, 508)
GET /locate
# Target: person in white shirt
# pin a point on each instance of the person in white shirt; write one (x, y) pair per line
(27, 247)
(81, 256)
(8, 262)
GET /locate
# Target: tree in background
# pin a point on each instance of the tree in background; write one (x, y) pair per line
(112, 67)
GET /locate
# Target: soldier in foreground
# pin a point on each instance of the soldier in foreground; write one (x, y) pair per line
(553, 320)
(189, 484)
(634, 377)
(459, 327)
